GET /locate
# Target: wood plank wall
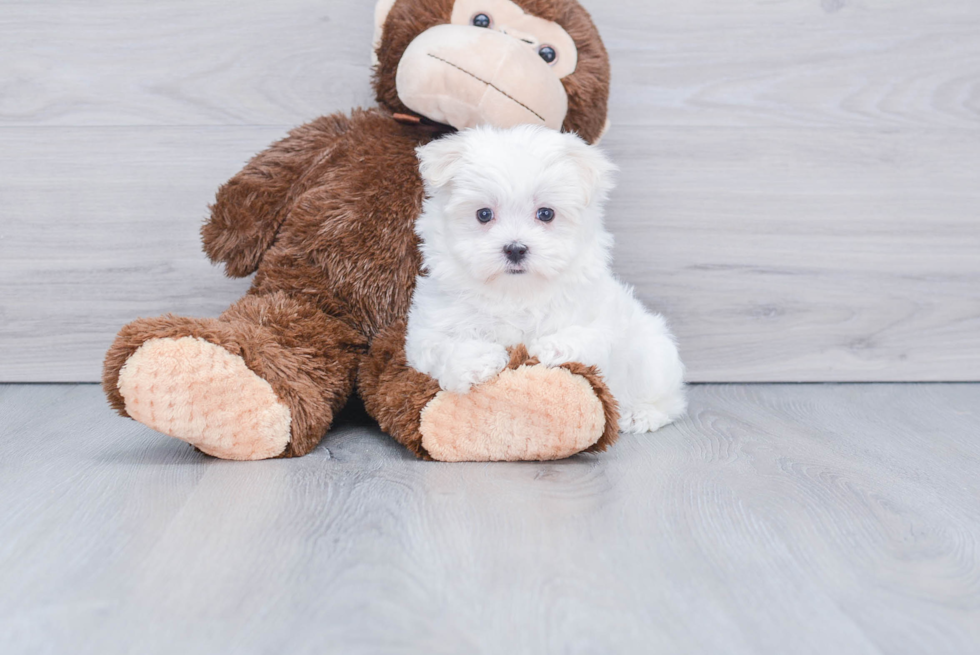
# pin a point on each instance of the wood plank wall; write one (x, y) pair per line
(800, 186)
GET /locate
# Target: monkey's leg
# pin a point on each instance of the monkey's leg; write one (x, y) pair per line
(263, 380)
(528, 412)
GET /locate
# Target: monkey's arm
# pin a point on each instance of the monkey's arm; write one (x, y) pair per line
(251, 206)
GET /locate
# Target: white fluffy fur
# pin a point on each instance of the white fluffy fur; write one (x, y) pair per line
(562, 301)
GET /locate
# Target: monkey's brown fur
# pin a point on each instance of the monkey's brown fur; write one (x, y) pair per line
(325, 219)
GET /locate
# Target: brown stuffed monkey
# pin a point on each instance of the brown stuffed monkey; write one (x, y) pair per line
(324, 218)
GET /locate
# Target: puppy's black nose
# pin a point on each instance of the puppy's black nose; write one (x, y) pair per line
(516, 252)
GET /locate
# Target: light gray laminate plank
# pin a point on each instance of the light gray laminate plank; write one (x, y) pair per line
(843, 63)
(875, 63)
(186, 63)
(100, 226)
(777, 254)
(806, 255)
(776, 518)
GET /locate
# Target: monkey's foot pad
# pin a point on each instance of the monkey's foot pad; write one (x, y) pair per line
(527, 413)
(200, 393)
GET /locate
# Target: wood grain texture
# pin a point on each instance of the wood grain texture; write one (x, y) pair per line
(100, 226)
(775, 519)
(837, 63)
(806, 255)
(175, 62)
(799, 187)
(829, 63)
(836, 268)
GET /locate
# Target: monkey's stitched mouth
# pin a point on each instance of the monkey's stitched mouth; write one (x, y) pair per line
(491, 85)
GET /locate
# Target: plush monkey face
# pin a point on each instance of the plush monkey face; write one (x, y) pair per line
(493, 62)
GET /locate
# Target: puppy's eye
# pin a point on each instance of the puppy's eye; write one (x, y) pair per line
(546, 214)
(481, 20)
(484, 215)
(547, 53)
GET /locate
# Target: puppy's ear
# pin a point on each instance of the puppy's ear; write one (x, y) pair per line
(440, 160)
(596, 169)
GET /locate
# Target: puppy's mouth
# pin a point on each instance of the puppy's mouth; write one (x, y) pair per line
(516, 270)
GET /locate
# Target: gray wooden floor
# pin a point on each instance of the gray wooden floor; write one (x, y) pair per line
(775, 519)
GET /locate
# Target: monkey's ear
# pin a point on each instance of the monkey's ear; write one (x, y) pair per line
(602, 134)
(440, 160)
(596, 168)
(381, 11)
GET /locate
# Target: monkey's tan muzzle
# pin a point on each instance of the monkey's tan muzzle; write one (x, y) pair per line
(447, 76)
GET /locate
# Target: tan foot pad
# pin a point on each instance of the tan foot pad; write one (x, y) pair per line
(528, 413)
(200, 393)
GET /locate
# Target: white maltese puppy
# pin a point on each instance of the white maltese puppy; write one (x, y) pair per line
(515, 252)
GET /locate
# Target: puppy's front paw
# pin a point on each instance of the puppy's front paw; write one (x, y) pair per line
(473, 364)
(552, 351)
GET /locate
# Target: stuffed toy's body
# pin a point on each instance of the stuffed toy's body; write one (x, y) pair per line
(325, 219)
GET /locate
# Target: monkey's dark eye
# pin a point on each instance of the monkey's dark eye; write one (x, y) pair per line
(484, 215)
(546, 214)
(481, 20)
(547, 53)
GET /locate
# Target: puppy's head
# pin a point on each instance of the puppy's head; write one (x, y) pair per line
(513, 209)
